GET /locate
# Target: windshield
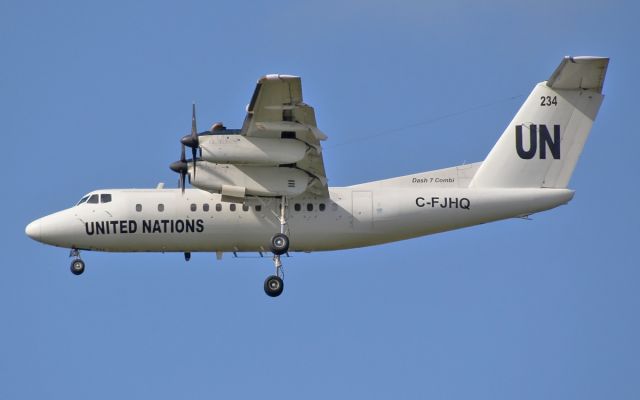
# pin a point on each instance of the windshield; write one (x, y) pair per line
(82, 200)
(95, 198)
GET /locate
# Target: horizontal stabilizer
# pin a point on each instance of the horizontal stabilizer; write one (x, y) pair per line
(580, 73)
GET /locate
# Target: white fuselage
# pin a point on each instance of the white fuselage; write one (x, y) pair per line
(166, 220)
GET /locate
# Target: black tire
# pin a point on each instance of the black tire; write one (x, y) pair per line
(273, 286)
(279, 244)
(77, 267)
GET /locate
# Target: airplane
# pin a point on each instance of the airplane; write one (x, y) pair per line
(263, 188)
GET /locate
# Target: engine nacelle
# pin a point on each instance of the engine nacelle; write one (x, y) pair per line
(240, 180)
(239, 149)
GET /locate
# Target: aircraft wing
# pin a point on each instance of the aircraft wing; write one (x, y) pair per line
(277, 110)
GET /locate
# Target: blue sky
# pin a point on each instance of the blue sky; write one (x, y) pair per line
(97, 94)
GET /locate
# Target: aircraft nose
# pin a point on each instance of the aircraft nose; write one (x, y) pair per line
(34, 229)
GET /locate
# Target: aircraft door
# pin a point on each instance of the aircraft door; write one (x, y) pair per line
(362, 211)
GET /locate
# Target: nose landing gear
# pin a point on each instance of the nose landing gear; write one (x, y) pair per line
(274, 284)
(77, 265)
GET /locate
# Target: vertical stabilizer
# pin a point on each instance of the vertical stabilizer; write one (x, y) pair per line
(542, 144)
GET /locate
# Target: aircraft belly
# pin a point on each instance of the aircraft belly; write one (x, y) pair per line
(407, 214)
(211, 235)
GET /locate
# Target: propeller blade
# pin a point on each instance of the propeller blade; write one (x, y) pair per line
(193, 155)
(194, 138)
(194, 131)
(183, 172)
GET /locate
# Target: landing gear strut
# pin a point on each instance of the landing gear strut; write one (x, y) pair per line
(274, 284)
(77, 265)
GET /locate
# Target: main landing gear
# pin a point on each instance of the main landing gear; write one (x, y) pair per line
(274, 284)
(77, 265)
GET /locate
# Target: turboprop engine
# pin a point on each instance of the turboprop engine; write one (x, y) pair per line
(238, 149)
(237, 166)
(242, 180)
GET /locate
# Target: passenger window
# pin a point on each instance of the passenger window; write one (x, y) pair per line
(218, 207)
(321, 206)
(161, 207)
(258, 208)
(138, 207)
(194, 207)
(93, 199)
(205, 207)
(297, 207)
(309, 207)
(232, 207)
(105, 198)
(245, 207)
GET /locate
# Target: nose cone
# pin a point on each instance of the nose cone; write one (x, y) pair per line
(62, 229)
(34, 229)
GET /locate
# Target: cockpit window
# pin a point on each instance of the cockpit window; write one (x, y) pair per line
(82, 200)
(105, 198)
(93, 199)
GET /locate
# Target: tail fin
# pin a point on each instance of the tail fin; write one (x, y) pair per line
(541, 145)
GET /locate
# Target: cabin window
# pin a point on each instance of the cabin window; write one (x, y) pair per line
(218, 207)
(194, 207)
(161, 207)
(245, 207)
(321, 206)
(205, 207)
(297, 207)
(258, 208)
(105, 198)
(232, 207)
(138, 207)
(93, 199)
(309, 207)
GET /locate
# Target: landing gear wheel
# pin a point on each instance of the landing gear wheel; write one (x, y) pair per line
(273, 286)
(279, 244)
(77, 267)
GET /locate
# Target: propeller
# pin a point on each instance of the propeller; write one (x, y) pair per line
(181, 167)
(192, 140)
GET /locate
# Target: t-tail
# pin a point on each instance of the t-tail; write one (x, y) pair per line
(542, 144)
